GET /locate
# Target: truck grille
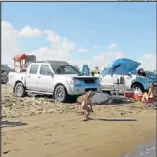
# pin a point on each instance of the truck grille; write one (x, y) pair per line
(92, 89)
(88, 81)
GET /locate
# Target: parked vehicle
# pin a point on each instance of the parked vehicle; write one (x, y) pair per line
(149, 74)
(4, 73)
(56, 78)
(109, 75)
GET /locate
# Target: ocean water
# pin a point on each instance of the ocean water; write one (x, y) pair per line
(145, 150)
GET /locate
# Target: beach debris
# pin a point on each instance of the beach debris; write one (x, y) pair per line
(101, 98)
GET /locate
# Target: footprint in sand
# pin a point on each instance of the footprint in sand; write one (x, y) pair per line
(54, 142)
(87, 149)
(6, 152)
(79, 135)
(32, 138)
(48, 135)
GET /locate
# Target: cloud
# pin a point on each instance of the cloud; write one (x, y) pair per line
(113, 45)
(57, 41)
(46, 53)
(83, 50)
(10, 42)
(29, 32)
(95, 47)
(106, 58)
(59, 48)
(148, 61)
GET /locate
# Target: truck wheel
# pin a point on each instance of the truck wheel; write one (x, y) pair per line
(60, 93)
(138, 87)
(19, 90)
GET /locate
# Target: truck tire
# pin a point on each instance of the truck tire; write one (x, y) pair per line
(138, 86)
(19, 90)
(60, 93)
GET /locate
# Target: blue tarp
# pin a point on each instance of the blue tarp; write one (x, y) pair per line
(123, 65)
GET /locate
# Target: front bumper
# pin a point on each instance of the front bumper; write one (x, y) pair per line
(79, 90)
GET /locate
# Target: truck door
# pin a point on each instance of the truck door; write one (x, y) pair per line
(106, 79)
(31, 77)
(45, 79)
(128, 80)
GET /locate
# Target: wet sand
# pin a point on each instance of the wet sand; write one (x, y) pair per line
(144, 150)
(38, 127)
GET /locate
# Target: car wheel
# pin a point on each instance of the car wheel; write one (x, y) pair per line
(19, 90)
(60, 93)
(138, 87)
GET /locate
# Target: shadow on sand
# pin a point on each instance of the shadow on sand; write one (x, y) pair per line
(12, 124)
(115, 119)
(97, 99)
(70, 100)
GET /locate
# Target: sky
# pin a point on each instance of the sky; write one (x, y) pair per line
(93, 33)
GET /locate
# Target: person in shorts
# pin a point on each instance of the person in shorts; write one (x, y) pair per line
(85, 102)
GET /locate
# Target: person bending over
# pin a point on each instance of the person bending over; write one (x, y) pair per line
(85, 102)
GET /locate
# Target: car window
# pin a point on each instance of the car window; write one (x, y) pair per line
(45, 70)
(33, 69)
(66, 69)
(69, 70)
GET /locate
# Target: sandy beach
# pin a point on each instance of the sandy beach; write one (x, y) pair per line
(39, 127)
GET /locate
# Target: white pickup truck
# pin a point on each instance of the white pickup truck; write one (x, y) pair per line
(55, 78)
(132, 80)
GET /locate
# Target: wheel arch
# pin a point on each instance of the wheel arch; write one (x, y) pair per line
(16, 84)
(59, 84)
(138, 83)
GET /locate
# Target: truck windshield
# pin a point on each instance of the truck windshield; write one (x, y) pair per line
(66, 69)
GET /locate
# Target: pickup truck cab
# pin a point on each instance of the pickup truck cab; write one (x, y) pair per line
(55, 78)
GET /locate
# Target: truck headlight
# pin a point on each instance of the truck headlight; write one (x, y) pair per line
(75, 82)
